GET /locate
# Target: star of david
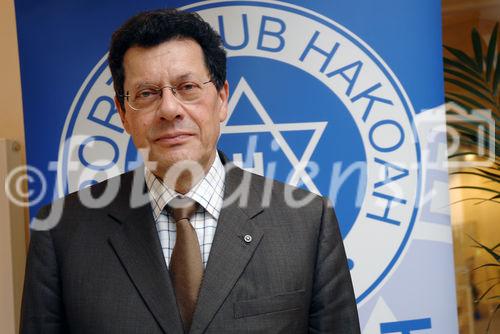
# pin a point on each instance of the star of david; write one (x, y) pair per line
(299, 165)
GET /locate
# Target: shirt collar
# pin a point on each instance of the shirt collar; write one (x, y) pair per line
(208, 192)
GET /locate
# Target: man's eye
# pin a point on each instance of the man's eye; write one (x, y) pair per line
(147, 93)
(187, 87)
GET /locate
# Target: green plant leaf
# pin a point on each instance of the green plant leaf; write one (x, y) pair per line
(466, 99)
(462, 104)
(488, 280)
(486, 117)
(466, 77)
(495, 197)
(487, 249)
(477, 174)
(464, 58)
(480, 158)
(460, 125)
(490, 169)
(494, 175)
(481, 200)
(467, 103)
(467, 143)
(478, 48)
(470, 136)
(487, 200)
(490, 55)
(461, 154)
(469, 126)
(486, 265)
(467, 134)
(455, 64)
(488, 121)
(486, 292)
(496, 76)
(470, 89)
(492, 316)
(475, 188)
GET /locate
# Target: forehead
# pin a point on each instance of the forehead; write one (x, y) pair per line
(165, 62)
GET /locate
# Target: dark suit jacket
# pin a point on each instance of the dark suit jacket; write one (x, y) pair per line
(102, 270)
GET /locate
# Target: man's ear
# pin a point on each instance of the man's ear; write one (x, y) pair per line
(121, 112)
(223, 100)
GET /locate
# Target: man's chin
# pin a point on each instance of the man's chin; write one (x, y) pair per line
(178, 159)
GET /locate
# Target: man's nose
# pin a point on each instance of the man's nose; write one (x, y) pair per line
(170, 108)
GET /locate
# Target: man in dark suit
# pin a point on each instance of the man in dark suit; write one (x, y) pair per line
(189, 242)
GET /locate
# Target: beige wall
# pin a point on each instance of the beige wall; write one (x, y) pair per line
(12, 236)
(11, 116)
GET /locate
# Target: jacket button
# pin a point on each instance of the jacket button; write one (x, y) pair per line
(247, 238)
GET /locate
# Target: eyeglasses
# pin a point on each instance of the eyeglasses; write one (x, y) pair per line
(148, 97)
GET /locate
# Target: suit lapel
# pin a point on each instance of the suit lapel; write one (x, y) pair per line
(137, 245)
(230, 252)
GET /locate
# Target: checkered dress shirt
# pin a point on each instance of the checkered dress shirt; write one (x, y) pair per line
(208, 193)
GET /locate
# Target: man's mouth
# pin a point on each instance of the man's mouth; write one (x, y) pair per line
(173, 138)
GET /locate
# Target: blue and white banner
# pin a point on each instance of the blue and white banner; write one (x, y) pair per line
(339, 97)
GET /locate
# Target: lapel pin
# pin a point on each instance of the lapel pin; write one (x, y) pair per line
(247, 238)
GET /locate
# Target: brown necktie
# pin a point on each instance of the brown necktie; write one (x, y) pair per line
(186, 266)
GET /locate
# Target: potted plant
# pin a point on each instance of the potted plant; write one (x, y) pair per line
(473, 83)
